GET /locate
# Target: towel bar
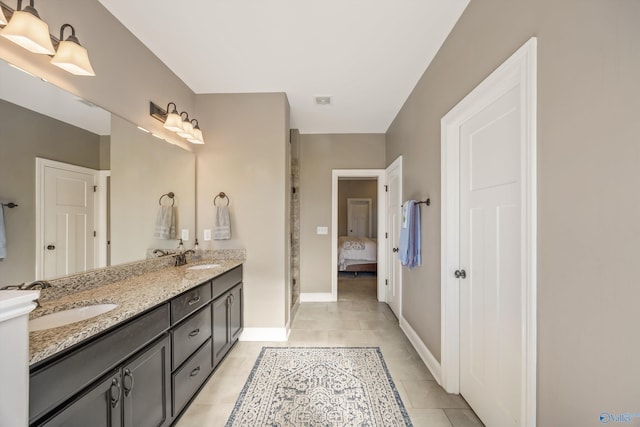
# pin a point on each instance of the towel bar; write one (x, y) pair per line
(221, 195)
(10, 205)
(169, 195)
(423, 202)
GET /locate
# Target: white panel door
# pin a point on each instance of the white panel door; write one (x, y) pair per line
(490, 298)
(68, 222)
(359, 217)
(394, 208)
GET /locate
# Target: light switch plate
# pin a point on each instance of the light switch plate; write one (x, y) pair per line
(207, 234)
(184, 234)
(322, 230)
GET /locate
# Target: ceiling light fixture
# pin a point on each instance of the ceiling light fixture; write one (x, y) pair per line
(26, 29)
(178, 123)
(71, 56)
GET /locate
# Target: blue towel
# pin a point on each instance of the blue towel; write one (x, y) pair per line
(409, 247)
(3, 237)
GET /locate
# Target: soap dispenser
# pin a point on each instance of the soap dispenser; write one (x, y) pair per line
(180, 248)
(196, 251)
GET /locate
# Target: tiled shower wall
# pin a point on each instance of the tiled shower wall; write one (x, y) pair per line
(295, 216)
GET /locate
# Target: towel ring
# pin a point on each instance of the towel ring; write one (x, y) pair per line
(169, 195)
(222, 196)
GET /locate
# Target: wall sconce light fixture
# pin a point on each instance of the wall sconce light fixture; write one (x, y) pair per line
(71, 56)
(26, 29)
(177, 123)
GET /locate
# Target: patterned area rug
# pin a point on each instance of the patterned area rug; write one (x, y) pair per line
(319, 386)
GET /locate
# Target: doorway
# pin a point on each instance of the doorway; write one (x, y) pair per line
(357, 252)
(489, 245)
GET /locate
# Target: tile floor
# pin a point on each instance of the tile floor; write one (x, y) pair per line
(356, 319)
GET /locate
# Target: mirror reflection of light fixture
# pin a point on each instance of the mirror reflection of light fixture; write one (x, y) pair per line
(3, 19)
(178, 123)
(197, 137)
(173, 121)
(26, 29)
(71, 56)
(187, 127)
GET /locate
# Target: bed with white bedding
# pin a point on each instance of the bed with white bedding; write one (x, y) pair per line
(357, 254)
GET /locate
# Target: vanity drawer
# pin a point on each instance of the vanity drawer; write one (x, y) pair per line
(189, 302)
(228, 280)
(190, 335)
(190, 377)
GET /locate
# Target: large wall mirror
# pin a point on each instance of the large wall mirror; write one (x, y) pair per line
(73, 138)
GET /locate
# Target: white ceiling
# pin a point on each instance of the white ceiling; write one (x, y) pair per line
(366, 54)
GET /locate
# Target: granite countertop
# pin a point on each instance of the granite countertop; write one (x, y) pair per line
(133, 295)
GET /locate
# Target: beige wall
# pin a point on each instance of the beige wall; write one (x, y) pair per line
(245, 156)
(357, 189)
(319, 155)
(25, 135)
(588, 171)
(128, 75)
(143, 168)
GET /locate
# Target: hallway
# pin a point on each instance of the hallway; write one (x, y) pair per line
(356, 319)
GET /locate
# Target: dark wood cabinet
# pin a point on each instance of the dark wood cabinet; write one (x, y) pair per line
(144, 372)
(227, 322)
(135, 395)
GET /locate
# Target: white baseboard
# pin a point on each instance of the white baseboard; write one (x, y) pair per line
(427, 357)
(317, 297)
(264, 334)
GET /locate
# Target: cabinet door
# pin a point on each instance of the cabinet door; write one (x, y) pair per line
(100, 406)
(221, 339)
(235, 312)
(146, 386)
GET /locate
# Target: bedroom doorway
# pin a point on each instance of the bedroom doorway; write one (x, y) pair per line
(358, 221)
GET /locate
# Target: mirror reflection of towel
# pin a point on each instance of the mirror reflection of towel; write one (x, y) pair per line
(165, 223)
(222, 227)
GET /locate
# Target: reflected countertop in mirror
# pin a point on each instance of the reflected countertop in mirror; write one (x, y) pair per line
(39, 120)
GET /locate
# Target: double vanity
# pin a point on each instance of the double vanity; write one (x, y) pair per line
(139, 363)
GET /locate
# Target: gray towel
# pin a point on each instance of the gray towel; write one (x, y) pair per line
(165, 223)
(222, 227)
(3, 236)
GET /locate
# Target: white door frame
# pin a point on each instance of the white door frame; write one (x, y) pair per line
(99, 211)
(379, 174)
(519, 69)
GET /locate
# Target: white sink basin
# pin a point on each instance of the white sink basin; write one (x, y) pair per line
(67, 317)
(204, 266)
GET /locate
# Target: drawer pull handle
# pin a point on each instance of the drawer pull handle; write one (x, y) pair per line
(194, 300)
(194, 333)
(115, 397)
(127, 374)
(195, 371)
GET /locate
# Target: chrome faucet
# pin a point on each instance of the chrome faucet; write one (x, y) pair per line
(161, 252)
(24, 287)
(41, 283)
(181, 258)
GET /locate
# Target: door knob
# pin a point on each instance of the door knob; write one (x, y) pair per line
(395, 250)
(460, 274)
(51, 247)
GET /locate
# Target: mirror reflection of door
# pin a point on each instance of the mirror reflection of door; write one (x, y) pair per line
(67, 218)
(359, 217)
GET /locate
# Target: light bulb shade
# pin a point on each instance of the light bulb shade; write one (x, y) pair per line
(197, 137)
(187, 130)
(27, 30)
(73, 58)
(173, 122)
